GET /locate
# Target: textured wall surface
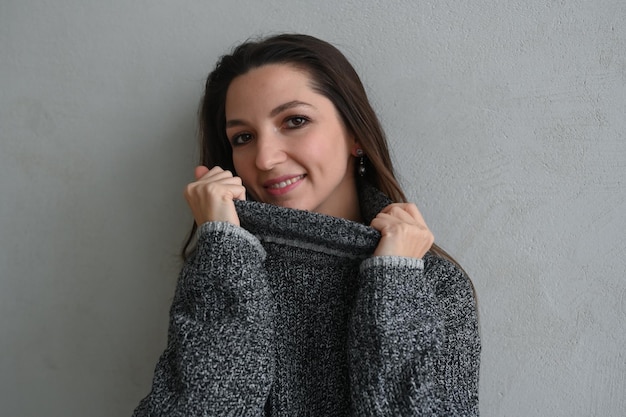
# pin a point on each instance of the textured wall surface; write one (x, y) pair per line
(507, 120)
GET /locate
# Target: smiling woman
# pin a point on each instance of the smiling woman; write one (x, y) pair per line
(297, 152)
(310, 287)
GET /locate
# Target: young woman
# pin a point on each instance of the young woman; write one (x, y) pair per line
(310, 287)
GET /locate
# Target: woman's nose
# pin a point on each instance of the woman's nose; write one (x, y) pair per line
(269, 152)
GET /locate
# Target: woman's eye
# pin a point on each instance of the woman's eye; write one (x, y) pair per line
(241, 139)
(296, 121)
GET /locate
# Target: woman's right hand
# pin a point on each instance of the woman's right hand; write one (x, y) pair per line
(211, 196)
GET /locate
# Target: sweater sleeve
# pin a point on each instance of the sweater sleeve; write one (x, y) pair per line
(414, 346)
(219, 356)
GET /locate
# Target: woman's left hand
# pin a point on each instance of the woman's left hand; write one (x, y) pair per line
(403, 231)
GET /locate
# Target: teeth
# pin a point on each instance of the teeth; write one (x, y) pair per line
(285, 183)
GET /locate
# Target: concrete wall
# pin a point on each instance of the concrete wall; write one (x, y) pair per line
(507, 120)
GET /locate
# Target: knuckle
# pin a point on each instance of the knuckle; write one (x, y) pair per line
(188, 190)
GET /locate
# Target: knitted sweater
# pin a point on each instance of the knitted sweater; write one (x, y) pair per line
(290, 315)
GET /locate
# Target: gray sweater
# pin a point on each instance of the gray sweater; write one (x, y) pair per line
(290, 315)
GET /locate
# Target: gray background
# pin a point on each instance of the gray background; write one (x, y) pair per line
(507, 123)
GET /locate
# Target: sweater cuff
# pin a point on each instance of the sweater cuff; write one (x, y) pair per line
(392, 262)
(229, 229)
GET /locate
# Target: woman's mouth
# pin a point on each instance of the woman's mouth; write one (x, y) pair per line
(282, 185)
(286, 182)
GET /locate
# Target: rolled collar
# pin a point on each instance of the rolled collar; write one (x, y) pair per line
(272, 223)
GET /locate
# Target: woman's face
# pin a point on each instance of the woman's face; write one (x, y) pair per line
(290, 146)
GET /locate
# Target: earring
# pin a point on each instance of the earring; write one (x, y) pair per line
(361, 155)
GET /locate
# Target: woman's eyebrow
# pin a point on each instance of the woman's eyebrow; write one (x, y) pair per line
(275, 111)
(234, 123)
(290, 104)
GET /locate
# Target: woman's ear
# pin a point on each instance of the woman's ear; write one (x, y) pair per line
(356, 148)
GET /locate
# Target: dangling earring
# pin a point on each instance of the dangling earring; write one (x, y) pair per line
(361, 155)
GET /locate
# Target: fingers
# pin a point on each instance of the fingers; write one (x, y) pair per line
(407, 211)
(200, 171)
(211, 196)
(403, 231)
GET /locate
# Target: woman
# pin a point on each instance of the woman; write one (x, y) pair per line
(312, 288)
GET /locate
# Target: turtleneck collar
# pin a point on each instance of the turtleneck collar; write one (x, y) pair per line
(274, 223)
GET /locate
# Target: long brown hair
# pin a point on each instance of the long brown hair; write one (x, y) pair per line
(332, 76)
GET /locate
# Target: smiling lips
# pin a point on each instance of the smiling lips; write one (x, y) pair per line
(283, 185)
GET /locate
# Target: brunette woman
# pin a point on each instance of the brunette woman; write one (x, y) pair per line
(310, 286)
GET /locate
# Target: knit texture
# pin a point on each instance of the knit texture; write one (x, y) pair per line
(290, 315)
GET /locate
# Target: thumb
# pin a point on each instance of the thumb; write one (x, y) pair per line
(200, 171)
(241, 195)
